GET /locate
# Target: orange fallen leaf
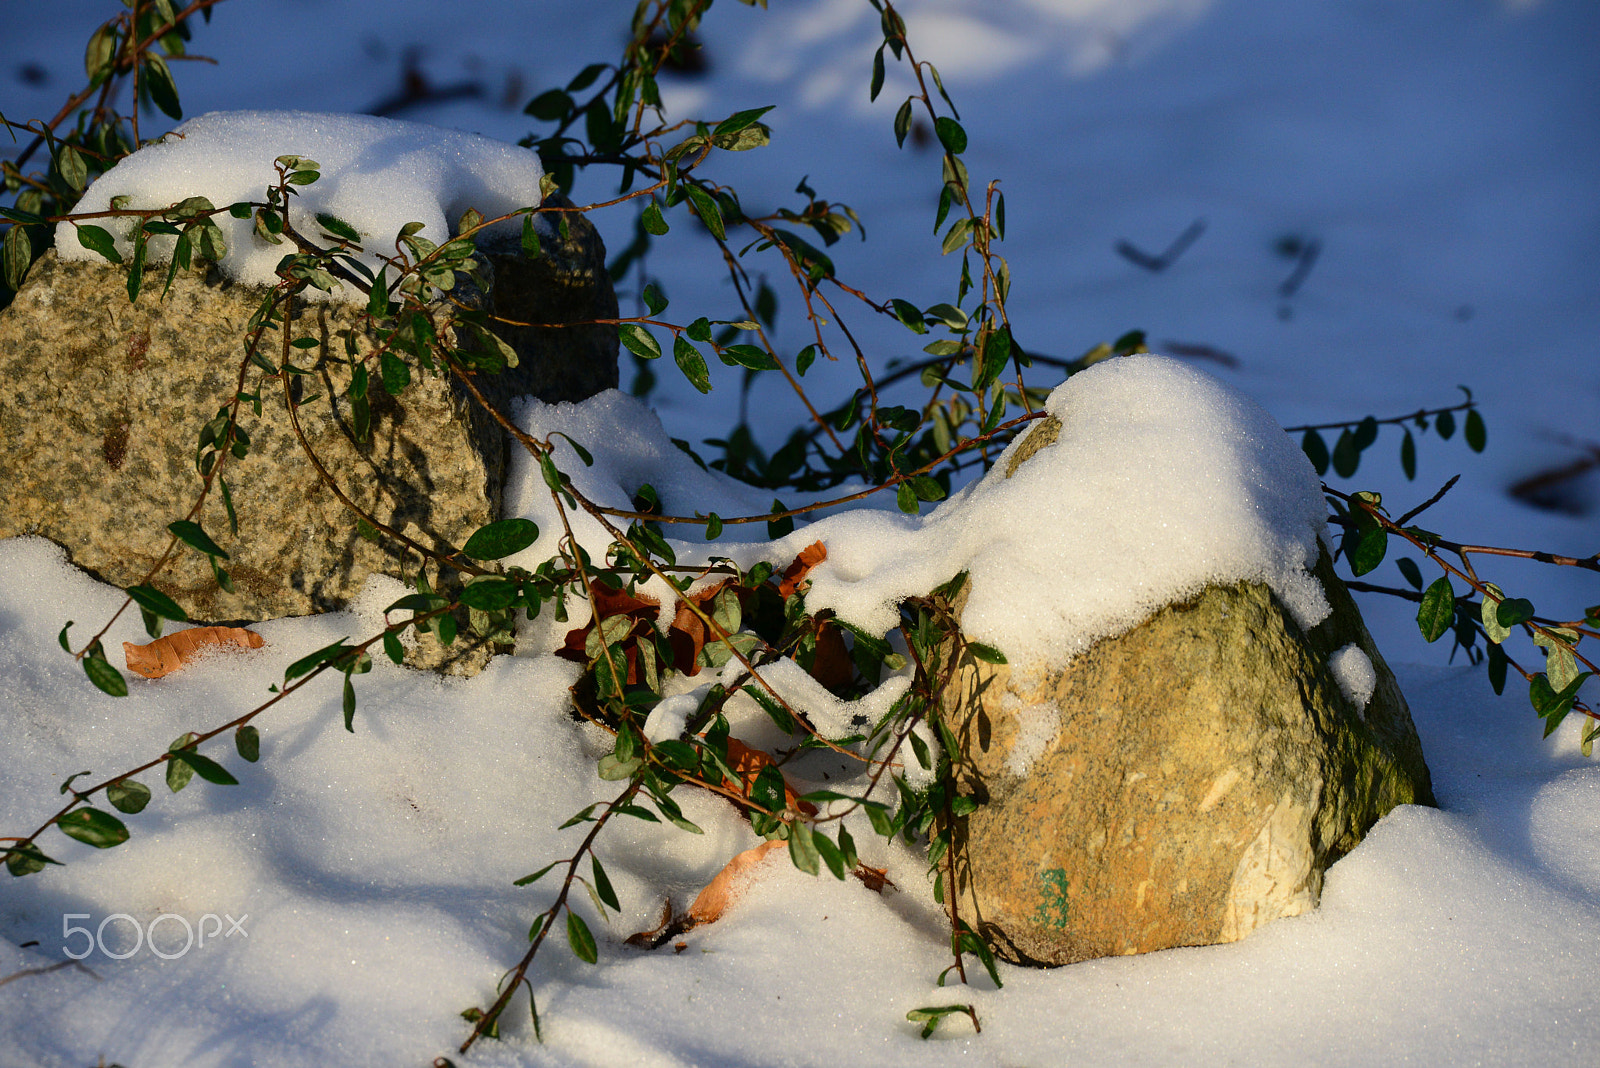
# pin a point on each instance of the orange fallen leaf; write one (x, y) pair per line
(796, 573)
(730, 882)
(166, 655)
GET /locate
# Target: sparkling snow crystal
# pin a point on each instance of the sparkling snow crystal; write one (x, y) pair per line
(1354, 674)
(377, 175)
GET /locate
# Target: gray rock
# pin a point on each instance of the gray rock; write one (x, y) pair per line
(102, 401)
(1178, 785)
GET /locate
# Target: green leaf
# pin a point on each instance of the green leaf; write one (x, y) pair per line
(706, 206)
(996, 353)
(652, 220)
(203, 766)
(1366, 433)
(1408, 456)
(987, 653)
(551, 105)
(17, 252)
(99, 56)
(902, 123)
(750, 356)
(637, 340)
(654, 301)
(378, 298)
(1559, 665)
(27, 218)
(1365, 549)
(692, 364)
(489, 595)
(128, 795)
(338, 227)
(1477, 434)
(802, 849)
(70, 165)
(192, 535)
(159, 81)
(98, 239)
(153, 600)
(1346, 455)
(1408, 568)
(104, 676)
(951, 135)
(1489, 613)
(877, 74)
(392, 647)
(501, 538)
(579, 938)
(349, 705)
(247, 740)
(738, 121)
(528, 880)
(602, 885)
(213, 244)
(25, 859)
(93, 827)
(311, 660)
(909, 314)
(1445, 424)
(1497, 668)
(1438, 609)
(767, 789)
(906, 498)
(530, 239)
(931, 1017)
(178, 775)
(832, 855)
(926, 488)
(1514, 611)
(395, 372)
(803, 361)
(552, 477)
(956, 236)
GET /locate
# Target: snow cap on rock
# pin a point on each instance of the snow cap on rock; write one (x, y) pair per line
(376, 175)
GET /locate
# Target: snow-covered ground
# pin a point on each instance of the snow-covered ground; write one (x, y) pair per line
(1444, 156)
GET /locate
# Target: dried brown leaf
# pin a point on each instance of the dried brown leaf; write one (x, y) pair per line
(166, 655)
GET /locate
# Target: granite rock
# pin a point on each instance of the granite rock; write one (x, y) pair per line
(102, 400)
(1178, 785)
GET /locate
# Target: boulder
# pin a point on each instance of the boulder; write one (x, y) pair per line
(1180, 784)
(102, 402)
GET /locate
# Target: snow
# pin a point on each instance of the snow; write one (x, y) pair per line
(1163, 480)
(377, 175)
(1352, 670)
(1444, 154)
(371, 874)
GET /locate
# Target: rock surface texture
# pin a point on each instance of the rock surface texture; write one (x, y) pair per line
(1178, 785)
(102, 402)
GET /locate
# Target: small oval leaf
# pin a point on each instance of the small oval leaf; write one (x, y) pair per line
(93, 827)
(501, 538)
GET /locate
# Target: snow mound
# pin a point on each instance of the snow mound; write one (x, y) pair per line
(377, 175)
(1354, 674)
(1163, 481)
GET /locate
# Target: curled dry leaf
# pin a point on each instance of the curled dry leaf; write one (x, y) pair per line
(730, 882)
(794, 576)
(166, 655)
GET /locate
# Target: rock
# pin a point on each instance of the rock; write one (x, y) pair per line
(102, 402)
(1178, 785)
